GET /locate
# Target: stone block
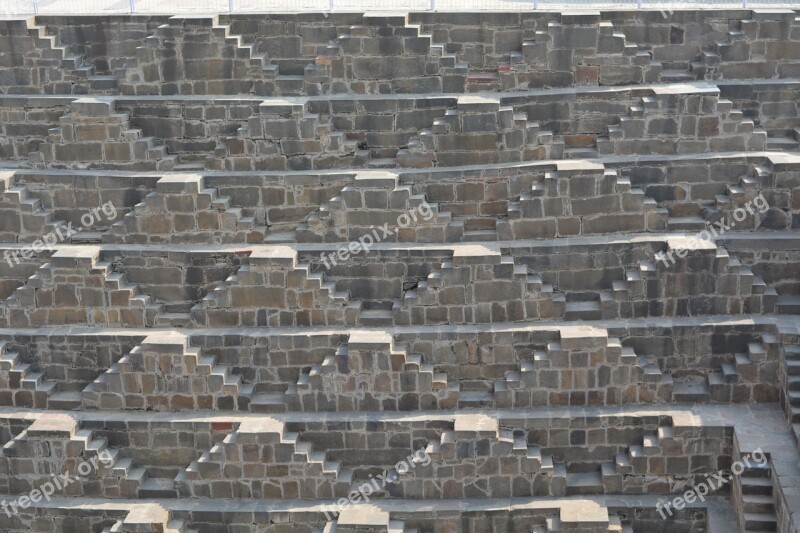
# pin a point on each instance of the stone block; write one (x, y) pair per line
(92, 107)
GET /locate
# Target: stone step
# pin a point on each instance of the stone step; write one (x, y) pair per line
(589, 310)
(782, 143)
(690, 223)
(158, 488)
(8, 359)
(794, 398)
(760, 522)
(268, 403)
(690, 391)
(650, 444)
(176, 526)
(742, 361)
(729, 373)
(103, 83)
(384, 162)
(580, 153)
(33, 381)
(756, 352)
(475, 399)
(757, 471)
(65, 401)
(85, 237)
(788, 305)
(584, 483)
(482, 77)
(376, 317)
(758, 504)
(479, 236)
(651, 372)
(756, 486)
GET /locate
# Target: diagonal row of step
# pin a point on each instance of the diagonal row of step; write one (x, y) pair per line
(332, 215)
(82, 75)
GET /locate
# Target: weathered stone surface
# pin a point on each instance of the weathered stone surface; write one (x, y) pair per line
(346, 247)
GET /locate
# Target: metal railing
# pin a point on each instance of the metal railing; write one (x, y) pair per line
(68, 7)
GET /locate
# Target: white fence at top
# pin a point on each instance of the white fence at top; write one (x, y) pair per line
(69, 7)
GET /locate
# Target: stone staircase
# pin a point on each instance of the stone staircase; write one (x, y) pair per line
(145, 484)
(348, 380)
(560, 202)
(293, 459)
(369, 372)
(29, 385)
(753, 498)
(744, 368)
(25, 218)
(528, 383)
(478, 131)
(595, 53)
(365, 519)
(376, 198)
(58, 442)
(314, 69)
(149, 518)
(647, 282)
(726, 46)
(791, 386)
(178, 376)
(300, 295)
(34, 389)
(613, 477)
(582, 197)
(120, 289)
(79, 77)
(704, 67)
(107, 296)
(243, 70)
(183, 210)
(132, 478)
(87, 445)
(456, 447)
(696, 214)
(382, 54)
(573, 49)
(268, 74)
(245, 47)
(357, 377)
(601, 55)
(694, 114)
(736, 196)
(578, 49)
(93, 135)
(719, 386)
(474, 278)
(787, 143)
(284, 135)
(69, 442)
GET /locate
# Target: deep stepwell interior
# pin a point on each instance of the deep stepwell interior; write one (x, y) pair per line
(401, 272)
